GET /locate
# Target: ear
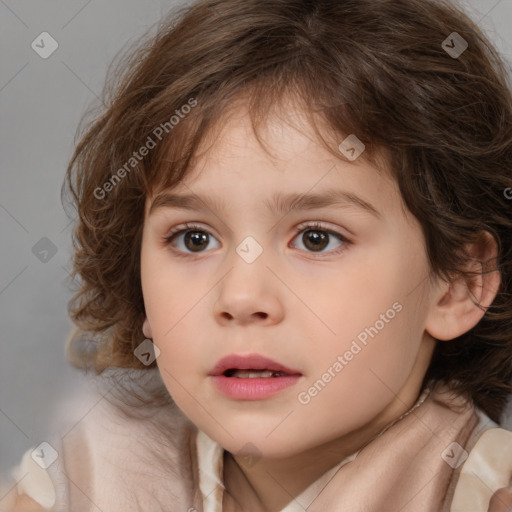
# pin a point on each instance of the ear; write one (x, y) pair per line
(457, 306)
(146, 329)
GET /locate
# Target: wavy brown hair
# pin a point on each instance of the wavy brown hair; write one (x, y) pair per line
(375, 68)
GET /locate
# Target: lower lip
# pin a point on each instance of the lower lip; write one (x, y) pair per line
(253, 389)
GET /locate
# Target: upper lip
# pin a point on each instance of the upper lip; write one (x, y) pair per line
(250, 362)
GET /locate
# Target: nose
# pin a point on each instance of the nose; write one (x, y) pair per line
(249, 293)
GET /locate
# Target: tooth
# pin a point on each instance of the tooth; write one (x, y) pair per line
(247, 374)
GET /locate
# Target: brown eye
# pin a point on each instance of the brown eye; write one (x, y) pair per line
(196, 240)
(315, 240)
(192, 239)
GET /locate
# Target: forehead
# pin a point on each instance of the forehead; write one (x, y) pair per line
(308, 174)
(219, 130)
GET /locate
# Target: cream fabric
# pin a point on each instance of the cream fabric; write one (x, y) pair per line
(488, 468)
(35, 482)
(116, 463)
(211, 458)
(210, 455)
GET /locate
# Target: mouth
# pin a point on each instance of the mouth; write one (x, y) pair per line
(252, 377)
(251, 366)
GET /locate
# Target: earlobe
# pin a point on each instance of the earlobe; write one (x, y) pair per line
(146, 329)
(460, 304)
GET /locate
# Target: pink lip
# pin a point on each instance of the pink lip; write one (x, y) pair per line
(250, 362)
(251, 389)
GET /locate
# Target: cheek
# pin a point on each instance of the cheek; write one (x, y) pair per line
(378, 336)
(364, 386)
(367, 283)
(169, 305)
(179, 362)
(166, 294)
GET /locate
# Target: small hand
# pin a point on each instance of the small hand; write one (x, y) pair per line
(501, 500)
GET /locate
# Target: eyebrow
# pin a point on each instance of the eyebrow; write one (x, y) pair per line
(279, 204)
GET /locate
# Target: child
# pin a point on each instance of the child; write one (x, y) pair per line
(305, 206)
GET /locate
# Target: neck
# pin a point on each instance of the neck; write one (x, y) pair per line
(269, 485)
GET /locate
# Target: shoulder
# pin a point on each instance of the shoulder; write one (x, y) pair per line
(487, 468)
(116, 453)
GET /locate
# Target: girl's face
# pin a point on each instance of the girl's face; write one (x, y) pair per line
(306, 260)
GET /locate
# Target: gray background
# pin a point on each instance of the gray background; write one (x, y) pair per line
(42, 101)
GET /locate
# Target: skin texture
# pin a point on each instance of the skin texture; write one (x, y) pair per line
(26, 504)
(501, 500)
(297, 306)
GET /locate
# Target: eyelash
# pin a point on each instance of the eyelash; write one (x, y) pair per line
(315, 226)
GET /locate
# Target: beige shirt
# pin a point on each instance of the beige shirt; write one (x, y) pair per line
(441, 456)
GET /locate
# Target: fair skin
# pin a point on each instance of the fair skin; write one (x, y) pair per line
(296, 305)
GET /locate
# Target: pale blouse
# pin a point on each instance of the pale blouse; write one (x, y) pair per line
(443, 455)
